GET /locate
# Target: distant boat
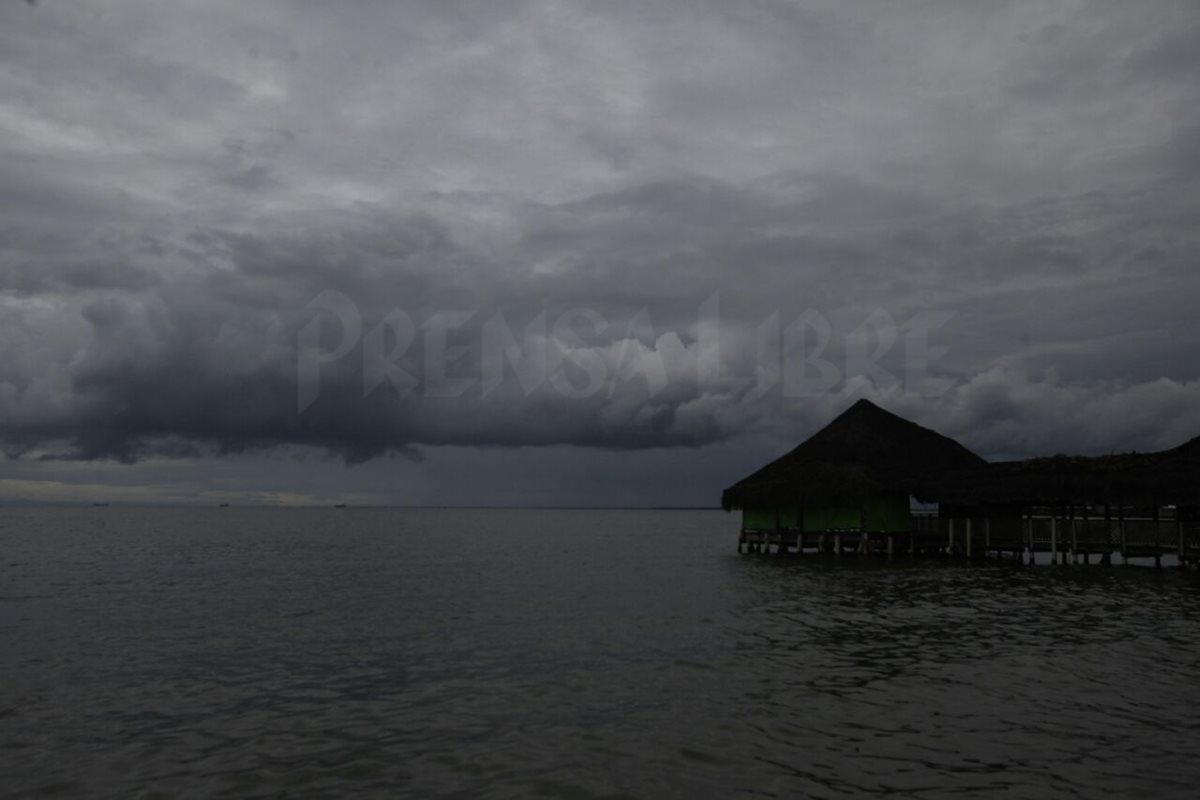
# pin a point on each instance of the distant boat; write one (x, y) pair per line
(339, 505)
(224, 505)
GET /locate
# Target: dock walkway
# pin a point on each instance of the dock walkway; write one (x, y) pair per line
(1069, 538)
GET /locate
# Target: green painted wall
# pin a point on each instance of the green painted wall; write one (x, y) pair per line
(764, 517)
(823, 518)
(887, 513)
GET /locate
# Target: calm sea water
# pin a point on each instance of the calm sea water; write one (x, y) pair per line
(569, 654)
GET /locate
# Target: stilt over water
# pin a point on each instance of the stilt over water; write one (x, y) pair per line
(1137, 535)
(851, 487)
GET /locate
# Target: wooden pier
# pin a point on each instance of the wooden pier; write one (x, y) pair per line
(873, 483)
(1069, 536)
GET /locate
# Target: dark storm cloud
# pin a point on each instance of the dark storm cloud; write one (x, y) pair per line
(180, 184)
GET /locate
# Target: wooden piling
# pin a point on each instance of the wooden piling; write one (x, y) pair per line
(1157, 539)
(1027, 524)
(1087, 534)
(1124, 537)
(1171, 531)
(1068, 543)
(1182, 543)
(1053, 537)
(1106, 558)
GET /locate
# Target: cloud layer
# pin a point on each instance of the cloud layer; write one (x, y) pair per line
(181, 183)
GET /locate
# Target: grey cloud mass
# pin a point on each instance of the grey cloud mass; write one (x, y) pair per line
(181, 182)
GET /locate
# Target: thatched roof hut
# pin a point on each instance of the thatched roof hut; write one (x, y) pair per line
(867, 461)
(859, 472)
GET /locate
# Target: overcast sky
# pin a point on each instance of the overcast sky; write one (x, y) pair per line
(715, 224)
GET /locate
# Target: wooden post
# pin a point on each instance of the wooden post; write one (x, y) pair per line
(800, 527)
(1182, 543)
(1030, 533)
(1067, 551)
(1029, 537)
(968, 538)
(891, 545)
(950, 542)
(1125, 541)
(837, 544)
(987, 536)
(1087, 533)
(1074, 537)
(1157, 539)
(1054, 537)
(1106, 557)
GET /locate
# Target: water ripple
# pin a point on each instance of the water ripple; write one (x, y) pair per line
(569, 654)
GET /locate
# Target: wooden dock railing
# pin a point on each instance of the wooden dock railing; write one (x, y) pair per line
(1066, 537)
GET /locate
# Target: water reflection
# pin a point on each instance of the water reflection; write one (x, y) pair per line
(569, 654)
(929, 679)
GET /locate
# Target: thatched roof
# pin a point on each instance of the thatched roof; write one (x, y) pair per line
(1160, 478)
(1176, 473)
(866, 451)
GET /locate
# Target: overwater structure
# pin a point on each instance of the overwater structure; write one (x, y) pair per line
(855, 487)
